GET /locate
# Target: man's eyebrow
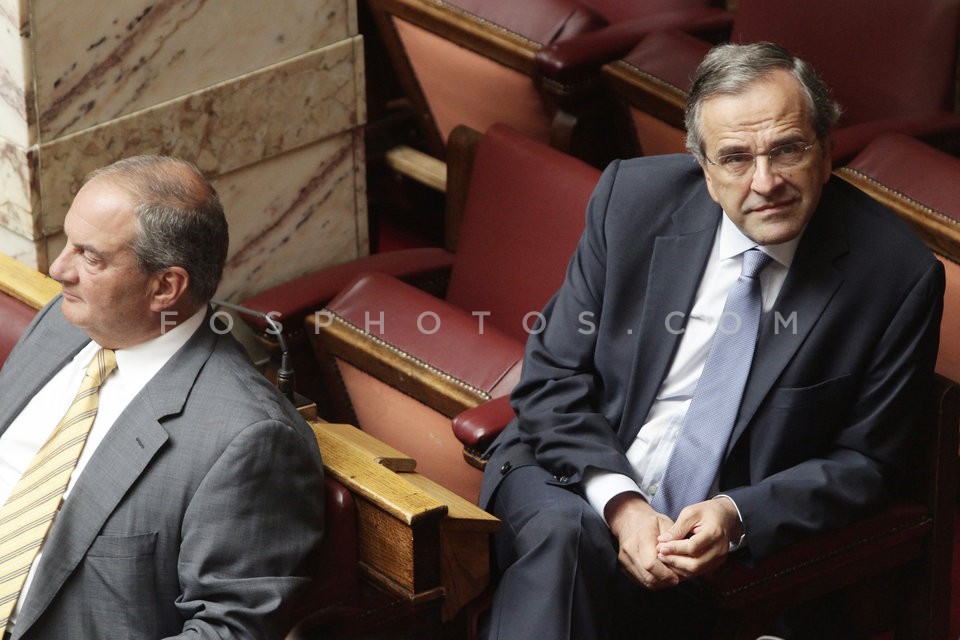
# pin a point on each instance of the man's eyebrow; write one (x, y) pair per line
(96, 253)
(744, 148)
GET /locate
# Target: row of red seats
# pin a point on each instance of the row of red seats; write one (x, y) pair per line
(563, 71)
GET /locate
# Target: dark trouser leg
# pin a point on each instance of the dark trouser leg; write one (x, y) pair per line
(557, 563)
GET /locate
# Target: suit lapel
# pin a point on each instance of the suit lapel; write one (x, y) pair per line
(811, 284)
(53, 345)
(676, 269)
(122, 457)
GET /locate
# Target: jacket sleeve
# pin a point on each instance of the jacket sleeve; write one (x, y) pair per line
(557, 397)
(250, 536)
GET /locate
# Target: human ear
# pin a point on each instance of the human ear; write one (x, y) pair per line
(170, 286)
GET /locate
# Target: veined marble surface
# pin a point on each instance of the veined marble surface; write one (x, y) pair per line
(265, 96)
(278, 234)
(17, 123)
(288, 215)
(19, 197)
(96, 61)
(224, 128)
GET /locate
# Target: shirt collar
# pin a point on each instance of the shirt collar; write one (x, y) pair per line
(146, 355)
(733, 243)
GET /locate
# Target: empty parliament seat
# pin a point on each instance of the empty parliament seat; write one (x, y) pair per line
(401, 362)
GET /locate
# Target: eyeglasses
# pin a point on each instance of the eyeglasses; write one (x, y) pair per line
(785, 156)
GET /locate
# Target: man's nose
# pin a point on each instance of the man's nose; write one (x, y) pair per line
(765, 177)
(59, 269)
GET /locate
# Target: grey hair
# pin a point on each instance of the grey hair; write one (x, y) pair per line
(728, 69)
(179, 219)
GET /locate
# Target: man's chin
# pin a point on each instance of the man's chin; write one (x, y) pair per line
(775, 231)
(71, 310)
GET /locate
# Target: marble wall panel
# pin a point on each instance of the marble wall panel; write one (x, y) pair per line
(288, 215)
(293, 214)
(226, 127)
(18, 247)
(94, 65)
(18, 190)
(17, 124)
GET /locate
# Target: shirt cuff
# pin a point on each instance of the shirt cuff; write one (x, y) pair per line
(599, 487)
(739, 543)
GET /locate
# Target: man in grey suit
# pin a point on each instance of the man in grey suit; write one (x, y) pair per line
(196, 507)
(848, 335)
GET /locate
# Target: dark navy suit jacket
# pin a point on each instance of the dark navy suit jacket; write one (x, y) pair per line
(841, 363)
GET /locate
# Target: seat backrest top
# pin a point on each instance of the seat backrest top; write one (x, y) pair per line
(523, 216)
(542, 21)
(882, 58)
(914, 169)
(621, 10)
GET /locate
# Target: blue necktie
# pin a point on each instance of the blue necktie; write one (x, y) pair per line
(706, 428)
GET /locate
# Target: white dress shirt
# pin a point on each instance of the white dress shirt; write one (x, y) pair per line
(29, 430)
(650, 451)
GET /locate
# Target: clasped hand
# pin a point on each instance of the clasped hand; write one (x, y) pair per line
(659, 553)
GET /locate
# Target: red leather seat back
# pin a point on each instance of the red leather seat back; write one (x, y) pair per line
(882, 58)
(14, 318)
(524, 214)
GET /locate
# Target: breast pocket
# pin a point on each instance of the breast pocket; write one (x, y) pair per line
(118, 580)
(825, 394)
(806, 419)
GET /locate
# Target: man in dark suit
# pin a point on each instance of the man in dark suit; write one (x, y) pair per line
(196, 507)
(851, 304)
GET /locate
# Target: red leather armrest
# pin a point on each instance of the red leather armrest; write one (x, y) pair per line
(476, 428)
(337, 582)
(576, 59)
(292, 301)
(542, 21)
(670, 56)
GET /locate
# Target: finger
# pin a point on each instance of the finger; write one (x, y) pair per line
(652, 573)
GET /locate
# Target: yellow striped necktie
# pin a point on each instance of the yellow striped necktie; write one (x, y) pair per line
(28, 513)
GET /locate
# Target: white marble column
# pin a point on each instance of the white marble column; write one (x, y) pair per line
(265, 96)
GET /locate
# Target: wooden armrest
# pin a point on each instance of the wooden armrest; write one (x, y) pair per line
(26, 284)
(418, 166)
(417, 539)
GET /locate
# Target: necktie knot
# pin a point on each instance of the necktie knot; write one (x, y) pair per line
(102, 365)
(754, 261)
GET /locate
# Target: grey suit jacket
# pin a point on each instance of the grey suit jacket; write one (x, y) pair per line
(198, 516)
(840, 366)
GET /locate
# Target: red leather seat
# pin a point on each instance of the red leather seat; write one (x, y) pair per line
(409, 361)
(523, 206)
(14, 318)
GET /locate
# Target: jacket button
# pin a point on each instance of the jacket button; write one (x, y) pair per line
(505, 468)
